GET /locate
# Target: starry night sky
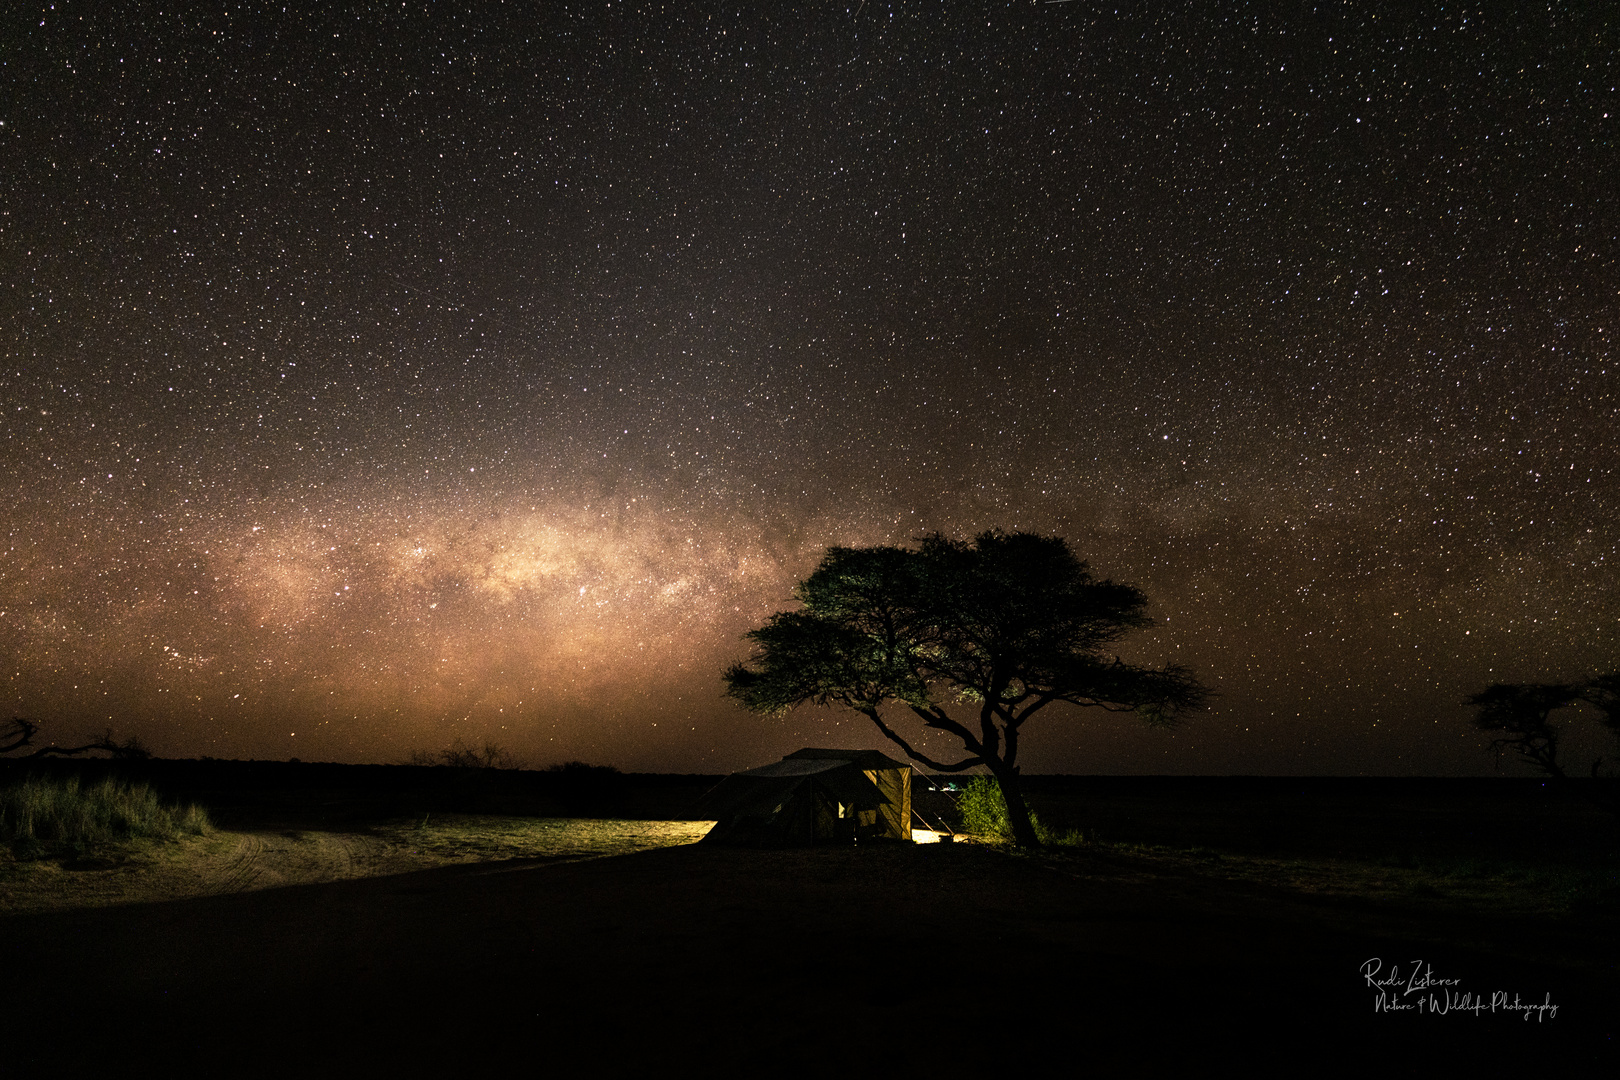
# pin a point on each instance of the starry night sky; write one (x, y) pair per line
(376, 376)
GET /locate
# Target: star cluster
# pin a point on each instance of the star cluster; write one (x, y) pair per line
(375, 375)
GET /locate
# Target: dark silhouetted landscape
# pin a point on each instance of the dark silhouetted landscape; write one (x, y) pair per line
(1192, 920)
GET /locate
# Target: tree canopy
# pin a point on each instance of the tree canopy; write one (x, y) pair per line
(971, 638)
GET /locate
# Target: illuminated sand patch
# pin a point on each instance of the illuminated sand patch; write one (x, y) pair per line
(458, 838)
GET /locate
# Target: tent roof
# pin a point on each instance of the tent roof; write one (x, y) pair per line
(761, 790)
(864, 759)
(791, 766)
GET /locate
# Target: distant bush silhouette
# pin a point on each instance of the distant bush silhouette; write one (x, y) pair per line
(580, 768)
(461, 755)
(41, 817)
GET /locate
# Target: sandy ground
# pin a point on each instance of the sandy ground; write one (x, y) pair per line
(226, 862)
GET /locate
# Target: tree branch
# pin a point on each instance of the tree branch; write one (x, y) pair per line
(20, 731)
(1045, 700)
(990, 741)
(130, 748)
(894, 737)
(940, 720)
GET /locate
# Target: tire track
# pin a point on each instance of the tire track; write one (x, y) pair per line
(243, 869)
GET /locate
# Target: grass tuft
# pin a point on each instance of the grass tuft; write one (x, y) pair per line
(43, 817)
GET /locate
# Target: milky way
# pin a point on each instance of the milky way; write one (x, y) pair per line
(379, 376)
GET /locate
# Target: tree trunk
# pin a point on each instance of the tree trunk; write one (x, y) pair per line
(1017, 813)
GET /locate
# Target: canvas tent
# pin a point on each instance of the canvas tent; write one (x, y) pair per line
(812, 796)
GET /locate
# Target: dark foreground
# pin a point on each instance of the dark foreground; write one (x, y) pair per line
(929, 957)
(934, 957)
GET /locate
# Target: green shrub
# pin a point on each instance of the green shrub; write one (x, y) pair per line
(41, 816)
(984, 811)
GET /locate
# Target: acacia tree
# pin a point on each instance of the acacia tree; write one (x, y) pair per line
(1519, 714)
(1603, 692)
(973, 639)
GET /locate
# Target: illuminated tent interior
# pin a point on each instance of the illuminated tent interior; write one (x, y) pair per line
(812, 796)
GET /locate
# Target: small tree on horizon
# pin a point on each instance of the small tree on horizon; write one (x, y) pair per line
(999, 628)
(461, 755)
(1519, 715)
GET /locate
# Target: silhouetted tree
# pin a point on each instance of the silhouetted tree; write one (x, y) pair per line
(18, 733)
(1519, 714)
(1006, 625)
(1603, 692)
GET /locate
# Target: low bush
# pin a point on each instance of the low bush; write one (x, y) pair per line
(984, 813)
(983, 810)
(40, 817)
